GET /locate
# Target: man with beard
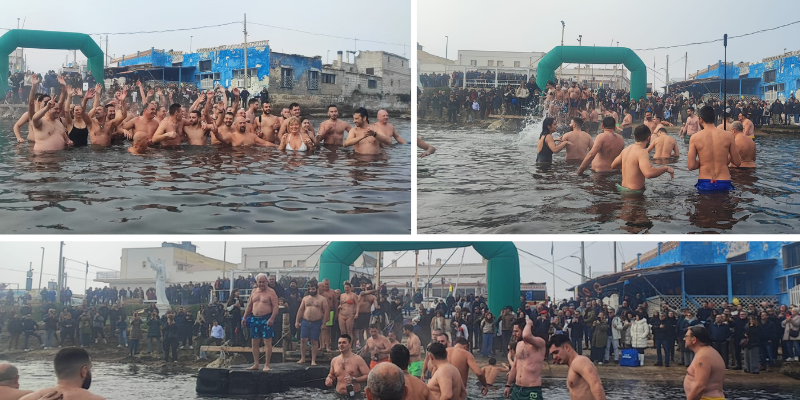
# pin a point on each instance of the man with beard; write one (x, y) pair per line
(347, 368)
(48, 131)
(378, 346)
(385, 129)
(363, 138)
(103, 126)
(260, 316)
(332, 130)
(525, 377)
(294, 111)
(691, 126)
(446, 381)
(268, 124)
(634, 161)
(169, 132)
(366, 299)
(144, 123)
(583, 382)
(73, 368)
(312, 314)
(241, 137)
(196, 129)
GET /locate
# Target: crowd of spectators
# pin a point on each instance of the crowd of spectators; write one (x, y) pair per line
(456, 78)
(478, 104)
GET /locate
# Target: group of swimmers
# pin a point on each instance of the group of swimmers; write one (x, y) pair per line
(52, 127)
(712, 149)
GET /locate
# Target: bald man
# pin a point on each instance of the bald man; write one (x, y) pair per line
(385, 129)
(386, 381)
(9, 383)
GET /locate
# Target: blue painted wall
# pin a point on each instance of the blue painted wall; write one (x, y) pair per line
(787, 72)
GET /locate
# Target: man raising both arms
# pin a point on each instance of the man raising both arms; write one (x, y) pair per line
(583, 382)
(259, 316)
(709, 151)
(446, 380)
(48, 131)
(706, 374)
(362, 137)
(525, 377)
(101, 129)
(331, 131)
(196, 128)
(385, 129)
(606, 148)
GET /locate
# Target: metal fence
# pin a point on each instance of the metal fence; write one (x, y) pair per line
(676, 301)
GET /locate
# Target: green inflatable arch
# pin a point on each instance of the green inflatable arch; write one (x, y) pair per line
(502, 271)
(49, 40)
(594, 55)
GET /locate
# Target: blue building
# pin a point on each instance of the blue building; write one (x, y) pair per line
(684, 274)
(773, 77)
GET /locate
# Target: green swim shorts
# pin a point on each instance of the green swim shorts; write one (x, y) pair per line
(415, 369)
(526, 393)
(623, 190)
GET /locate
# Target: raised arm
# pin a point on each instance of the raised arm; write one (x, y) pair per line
(123, 108)
(68, 100)
(87, 117)
(62, 98)
(142, 92)
(236, 99)
(98, 91)
(32, 98)
(527, 336)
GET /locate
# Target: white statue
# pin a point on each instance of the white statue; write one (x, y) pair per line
(161, 281)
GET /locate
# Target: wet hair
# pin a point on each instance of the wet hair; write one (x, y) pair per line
(408, 327)
(546, 126)
(400, 356)
(609, 123)
(293, 105)
(707, 114)
(334, 106)
(174, 108)
(737, 126)
(346, 336)
(462, 341)
(438, 351)
(560, 340)
(199, 114)
(69, 361)
(577, 121)
(363, 113)
(41, 96)
(701, 334)
(109, 105)
(641, 133)
(251, 101)
(492, 361)
(520, 322)
(347, 283)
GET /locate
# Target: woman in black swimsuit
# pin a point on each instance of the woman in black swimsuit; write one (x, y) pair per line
(77, 130)
(547, 145)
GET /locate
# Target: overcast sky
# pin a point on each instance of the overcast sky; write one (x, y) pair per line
(536, 26)
(386, 21)
(17, 256)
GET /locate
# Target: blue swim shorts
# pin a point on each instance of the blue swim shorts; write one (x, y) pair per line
(711, 186)
(259, 328)
(310, 329)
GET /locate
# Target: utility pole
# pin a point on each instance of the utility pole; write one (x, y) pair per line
(615, 256)
(106, 55)
(41, 267)
(60, 266)
(245, 50)
(686, 64)
(561, 67)
(725, 79)
(583, 265)
(378, 270)
(580, 37)
(667, 82)
(416, 270)
(446, 44)
(191, 38)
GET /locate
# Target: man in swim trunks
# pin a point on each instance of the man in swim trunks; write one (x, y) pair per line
(259, 316)
(416, 389)
(583, 382)
(635, 163)
(366, 300)
(580, 141)
(745, 145)
(312, 314)
(627, 129)
(691, 126)
(574, 99)
(709, 151)
(362, 137)
(525, 378)
(378, 346)
(492, 370)
(346, 368)
(333, 306)
(414, 349)
(331, 131)
(385, 129)
(606, 148)
(464, 361)
(664, 145)
(706, 374)
(446, 380)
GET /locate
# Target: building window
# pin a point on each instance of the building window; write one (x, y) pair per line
(313, 80)
(372, 84)
(287, 78)
(402, 63)
(263, 264)
(328, 78)
(473, 63)
(769, 76)
(388, 59)
(516, 64)
(204, 65)
(781, 87)
(499, 63)
(370, 71)
(239, 73)
(791, 256)
(301, 263)
(217, 76)
(783, 284)
(491, 63)
(287, 263)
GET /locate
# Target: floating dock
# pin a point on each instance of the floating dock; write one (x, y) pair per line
(237, 380)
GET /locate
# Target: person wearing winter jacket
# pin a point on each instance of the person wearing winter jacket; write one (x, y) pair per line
(753, 335)
(616, 335)
(640, 330)
(575, 326)
(791, 325)
(662, 337)
(768, 330)
(599, 338)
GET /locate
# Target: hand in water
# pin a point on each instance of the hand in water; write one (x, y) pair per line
(21, 140)
(671, 173)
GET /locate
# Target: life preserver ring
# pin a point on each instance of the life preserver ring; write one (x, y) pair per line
(597, 287)
(586, 291)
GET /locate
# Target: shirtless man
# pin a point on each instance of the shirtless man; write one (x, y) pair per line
(144, 123)
(348, 310)
(747, 125)
(416, 389)
(525, 378)
(48, 131)
(626, 125)
(103, 126)
(492, 370)
(583, 382)
(385, 129)
(362, 137)
(333, 305)
(635, 163)
(691, 126)
(378, 346)
(574, 99)
(9, 383)
(446, 381)
(294, 111)
(25, 118)
(331, 131)
(706, 374)
(463, 360)
(650, 122)
(366, 300)
(709, 151)
(252, 106)
(285, 114)
(664, 145)
(606, 148)
(240, 137)
(170, 130)
(73, 368)
(414, 348)
(386, 382)
(268, 124)
(259, 316)
(581, 141)
(593, 121)
(424, 146)
(141, 141)
(312, 314)
(196, 129)
(346, 368)
(745, 145)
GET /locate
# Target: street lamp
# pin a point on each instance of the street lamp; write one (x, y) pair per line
(446, 44)
(580, 37)
(561, 68)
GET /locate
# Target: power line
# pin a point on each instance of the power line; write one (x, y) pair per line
(557, 265)
(545, 269)
(327, 35)
(161, 31)
(719, 40)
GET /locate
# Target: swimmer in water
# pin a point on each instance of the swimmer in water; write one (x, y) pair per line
(709, 151)
(745, 145)
(607, 146)
(331, 131)
(362, 137)
(634, 161)
(425, 146)
(581, 141)
(384, 128)
(141, 141)
(664, 145)
(546, 146)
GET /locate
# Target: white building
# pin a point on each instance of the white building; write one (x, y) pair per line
(370, 72)
(464, 278)
(491, 59)
(16, 61)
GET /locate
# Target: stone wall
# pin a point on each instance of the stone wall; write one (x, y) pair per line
(346, 104)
